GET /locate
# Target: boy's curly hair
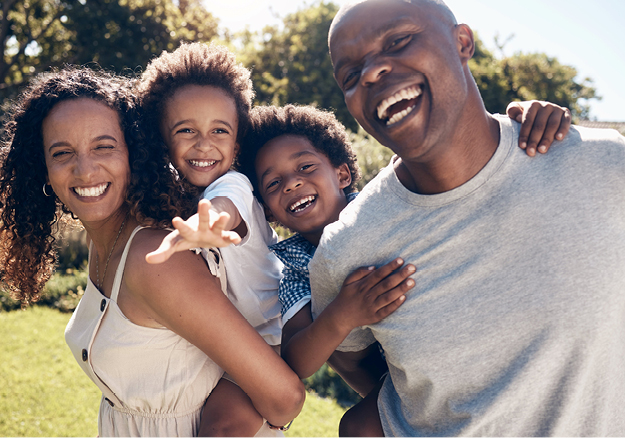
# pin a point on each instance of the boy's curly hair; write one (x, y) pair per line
(27, 216)
(193, 64)
(320, 127)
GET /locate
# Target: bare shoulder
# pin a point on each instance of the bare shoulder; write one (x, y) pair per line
(182, 268)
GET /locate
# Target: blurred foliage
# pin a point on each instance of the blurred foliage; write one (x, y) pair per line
(291, 63)
(327, 383)
(62, 292)
(116, 34)
(529, 76)
(68, 283)
(372, 156)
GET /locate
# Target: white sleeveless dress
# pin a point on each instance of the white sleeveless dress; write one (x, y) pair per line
(153, 382)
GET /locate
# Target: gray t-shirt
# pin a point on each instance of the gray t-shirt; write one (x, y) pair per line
(516, 324)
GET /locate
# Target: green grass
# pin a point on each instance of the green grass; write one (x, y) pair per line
(43, 391)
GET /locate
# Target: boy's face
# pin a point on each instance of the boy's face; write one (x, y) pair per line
(399, 68)
(200, 125)
(299, 185)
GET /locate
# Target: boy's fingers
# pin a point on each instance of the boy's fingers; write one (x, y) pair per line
(526, 125)
(538, 130)
(390, 308)
(565, 124)
(553, 125)
(391, 295)
(382, 272)
(358, 274)
(514, 111)
(391, 282)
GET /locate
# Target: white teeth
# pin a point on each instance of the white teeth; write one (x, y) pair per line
(91, 191)
(405, 94)
(202, 163)
(400, 115)
(302, 201)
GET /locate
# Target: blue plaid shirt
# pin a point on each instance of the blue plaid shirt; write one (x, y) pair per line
(294, 290)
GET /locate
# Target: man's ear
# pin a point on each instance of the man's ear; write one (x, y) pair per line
(344, 175)
(465, 41)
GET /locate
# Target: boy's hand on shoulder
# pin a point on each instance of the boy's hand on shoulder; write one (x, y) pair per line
(205, 229)
(369, 295)
(541, 123)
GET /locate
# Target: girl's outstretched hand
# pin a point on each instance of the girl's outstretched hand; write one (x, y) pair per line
(205, 229)
(541, 124)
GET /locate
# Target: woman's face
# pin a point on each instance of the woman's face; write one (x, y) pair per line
(86, 158)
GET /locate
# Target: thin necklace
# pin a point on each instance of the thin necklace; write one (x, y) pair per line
(97, 264)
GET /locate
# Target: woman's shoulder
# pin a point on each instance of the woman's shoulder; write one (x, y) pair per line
(181, 267)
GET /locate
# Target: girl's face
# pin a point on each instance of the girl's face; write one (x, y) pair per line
(86, 158)
(200, 125)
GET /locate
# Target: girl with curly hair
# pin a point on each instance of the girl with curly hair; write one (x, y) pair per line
(197, 101)
(150, 337)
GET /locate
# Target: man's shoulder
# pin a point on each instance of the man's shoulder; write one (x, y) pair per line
(598, 135)
(591, 147)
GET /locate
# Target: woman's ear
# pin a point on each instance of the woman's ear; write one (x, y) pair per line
(344, 175)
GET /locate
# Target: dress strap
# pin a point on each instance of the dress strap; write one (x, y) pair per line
(119, 273)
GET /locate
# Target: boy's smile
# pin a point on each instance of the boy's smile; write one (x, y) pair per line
(299, 185)
(199, 126)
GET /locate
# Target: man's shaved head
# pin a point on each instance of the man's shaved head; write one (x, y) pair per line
(439, 6)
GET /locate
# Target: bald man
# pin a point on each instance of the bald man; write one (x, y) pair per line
(515, 326)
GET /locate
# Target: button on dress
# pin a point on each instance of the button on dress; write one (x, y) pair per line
(153, 382)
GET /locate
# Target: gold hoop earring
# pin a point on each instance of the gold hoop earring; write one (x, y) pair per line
(44, 189)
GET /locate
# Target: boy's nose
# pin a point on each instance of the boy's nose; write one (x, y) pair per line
(292, 183)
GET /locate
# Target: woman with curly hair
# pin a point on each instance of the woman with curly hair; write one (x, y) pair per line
(155, 339)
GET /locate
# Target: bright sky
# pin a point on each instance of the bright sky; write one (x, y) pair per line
(582, 33)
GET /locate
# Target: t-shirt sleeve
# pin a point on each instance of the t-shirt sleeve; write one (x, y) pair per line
(236, 187)
(326, 282)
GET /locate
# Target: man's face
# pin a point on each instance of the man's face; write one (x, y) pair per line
(401, 71)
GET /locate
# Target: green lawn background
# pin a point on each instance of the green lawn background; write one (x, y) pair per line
(43, 391)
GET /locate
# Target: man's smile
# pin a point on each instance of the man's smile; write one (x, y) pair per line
(394, 108)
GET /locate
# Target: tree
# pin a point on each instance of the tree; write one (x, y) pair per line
(526, 77)
(292, 64)
(116, 34)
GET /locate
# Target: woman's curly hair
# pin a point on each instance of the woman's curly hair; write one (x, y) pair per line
(193, 64)
(27, 216)
(320, 127)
